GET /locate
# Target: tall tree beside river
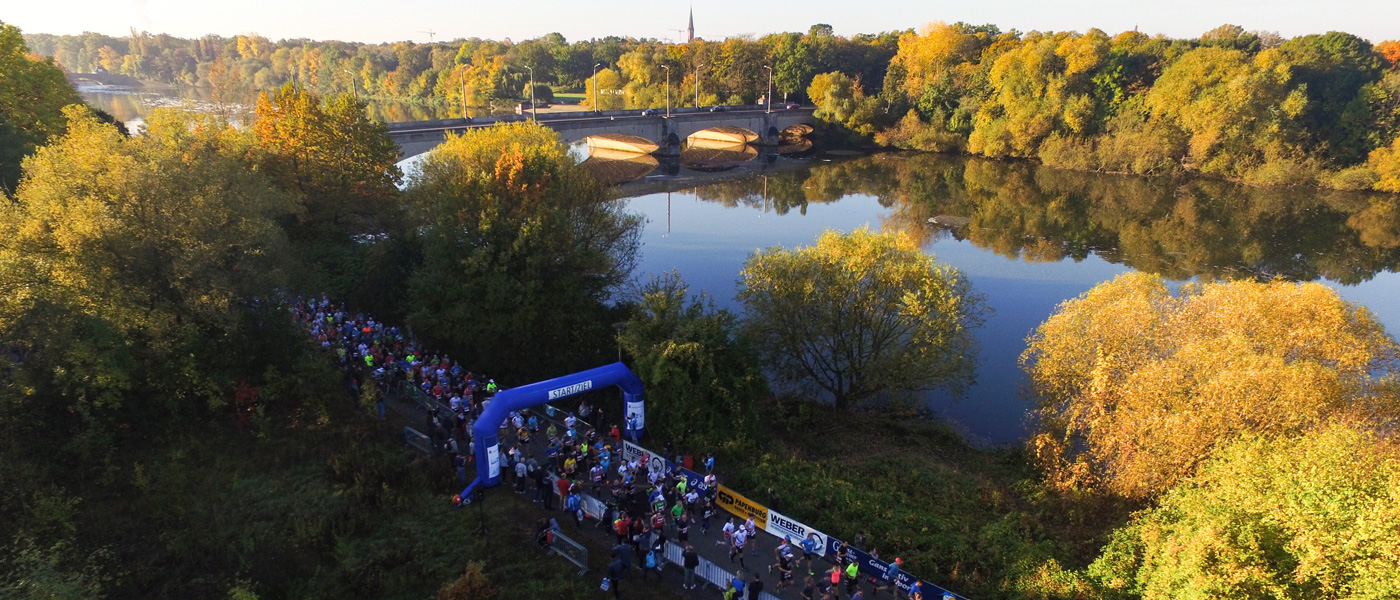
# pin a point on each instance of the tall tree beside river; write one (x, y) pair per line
(521, 249)
(862, 315)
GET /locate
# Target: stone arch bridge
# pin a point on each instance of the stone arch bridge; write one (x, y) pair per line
(665, 134)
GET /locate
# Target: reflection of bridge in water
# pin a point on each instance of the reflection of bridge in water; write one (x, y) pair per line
(699, 157)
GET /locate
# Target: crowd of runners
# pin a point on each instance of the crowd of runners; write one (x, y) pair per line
(647, 502)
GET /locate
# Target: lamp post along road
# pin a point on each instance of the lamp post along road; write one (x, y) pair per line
(697, 85)
(595, 86)
(668, 90)
(768, 100)
(464, 95)
(353, 94)
(534, 115)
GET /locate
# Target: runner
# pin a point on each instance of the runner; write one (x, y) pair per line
(809, 549)
(739, 539)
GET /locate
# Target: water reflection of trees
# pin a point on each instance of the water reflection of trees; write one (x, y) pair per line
(1173, 227)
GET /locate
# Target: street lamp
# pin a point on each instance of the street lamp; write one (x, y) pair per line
(595, 87)
(534, 115)
(769, 99)
(353, 94)
(465, 116)
(668, 90)
(697, 85)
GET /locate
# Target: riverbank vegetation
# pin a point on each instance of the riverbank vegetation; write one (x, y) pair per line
(482, 71)
(1317, 110)
(1246, 106)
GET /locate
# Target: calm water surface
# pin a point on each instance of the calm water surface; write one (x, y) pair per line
(1028, 238)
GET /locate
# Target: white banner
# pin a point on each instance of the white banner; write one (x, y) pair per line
(637, 408)
(631, 451)
(783, 526)
(493, 460)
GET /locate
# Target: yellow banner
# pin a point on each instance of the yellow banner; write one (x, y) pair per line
(736, 503)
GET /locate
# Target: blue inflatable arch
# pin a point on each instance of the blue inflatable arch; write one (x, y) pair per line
(487, 447)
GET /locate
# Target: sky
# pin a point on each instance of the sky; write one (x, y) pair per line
(378, 21)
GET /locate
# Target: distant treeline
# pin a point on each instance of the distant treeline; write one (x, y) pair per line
(731, 71)
(1252, 106)
(1249, 106)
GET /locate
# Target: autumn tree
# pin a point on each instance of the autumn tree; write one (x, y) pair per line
(520, 249)
(609, 91)
(126, 260)
(1385, 161)
(33, 93)
(1137, 386)
(341, 163)
(1309, 516)
(698, 370)
(861, 315)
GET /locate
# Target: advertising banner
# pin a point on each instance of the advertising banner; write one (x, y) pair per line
(784, 526)
(692, 479)
(736, 503)
(493, 460)
(639, 409)
(873, 567)
(631, 451)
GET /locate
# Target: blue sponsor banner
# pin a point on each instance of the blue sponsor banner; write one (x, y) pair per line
(870, 566)
(692, 479)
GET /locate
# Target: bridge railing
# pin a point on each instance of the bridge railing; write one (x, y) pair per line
(551, 116)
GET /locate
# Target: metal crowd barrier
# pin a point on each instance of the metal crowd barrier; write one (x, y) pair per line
(415, 438)
(707, 571)
(571, 551)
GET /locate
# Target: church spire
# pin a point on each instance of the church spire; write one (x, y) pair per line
(690, 31)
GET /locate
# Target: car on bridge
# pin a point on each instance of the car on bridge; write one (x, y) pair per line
(651, 112)
(792, 106)
(719, 108)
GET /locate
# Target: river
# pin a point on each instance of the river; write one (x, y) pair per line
(131, 105)
(1027, 237)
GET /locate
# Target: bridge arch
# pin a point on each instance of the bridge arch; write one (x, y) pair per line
(485, 444)
(724, 134)
(622, 142)
(666, 132)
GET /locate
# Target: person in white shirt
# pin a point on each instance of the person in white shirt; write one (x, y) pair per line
(740, 537)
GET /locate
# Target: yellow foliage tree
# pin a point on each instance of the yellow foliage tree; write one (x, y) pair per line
(1137, 386)
(609, 91)
(1385, 161)
(1313, 516)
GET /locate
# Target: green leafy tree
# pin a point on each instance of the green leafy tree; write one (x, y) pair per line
(698, 371)
(1137, 386)
(861, 315)
(520, 248)
(126, 260)
(1311, 516)
(33, 93)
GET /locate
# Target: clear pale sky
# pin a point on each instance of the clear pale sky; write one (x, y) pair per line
(379, 21)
